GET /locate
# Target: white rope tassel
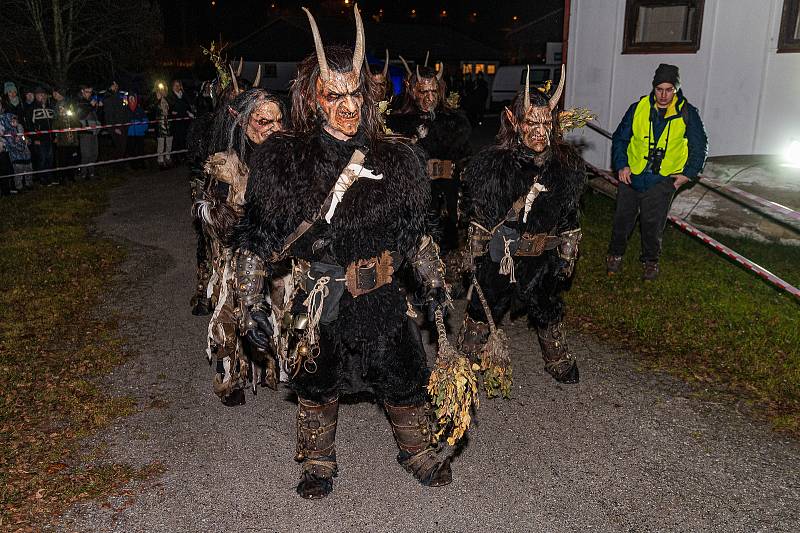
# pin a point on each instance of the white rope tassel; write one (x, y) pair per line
(314, 304)
(507, 263)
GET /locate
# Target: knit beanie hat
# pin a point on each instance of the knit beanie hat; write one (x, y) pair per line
(8, 87)
(667, 74)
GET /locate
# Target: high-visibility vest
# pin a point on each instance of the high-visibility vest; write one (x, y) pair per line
(673, 138)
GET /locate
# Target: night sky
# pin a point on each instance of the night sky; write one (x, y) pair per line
(189, 23)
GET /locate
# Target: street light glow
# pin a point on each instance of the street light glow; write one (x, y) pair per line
(792, 153)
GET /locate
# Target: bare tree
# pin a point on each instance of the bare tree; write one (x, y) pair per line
(50, 40)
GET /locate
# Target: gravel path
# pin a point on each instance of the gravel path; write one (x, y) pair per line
(621, 451)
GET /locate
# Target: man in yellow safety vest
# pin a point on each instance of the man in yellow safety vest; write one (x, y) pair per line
(660, 145)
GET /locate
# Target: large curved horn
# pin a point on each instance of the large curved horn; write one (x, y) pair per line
(366, 66)
(324, 71)
(557, 95)
(239, 68)
(427, 55)
(386, 64)
(441, 72)
(233, 79)
(527, 90)
(408, 69)
(257, 81)
(418, 76)
(358, 51)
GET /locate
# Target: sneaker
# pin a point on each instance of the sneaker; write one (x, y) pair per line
(649, 270)
(613, 264)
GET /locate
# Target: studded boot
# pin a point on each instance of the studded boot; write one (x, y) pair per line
(316, 451)
(412, 430)
(558, 360)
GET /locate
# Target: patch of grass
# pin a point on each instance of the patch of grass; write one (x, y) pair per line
(53, 347)
(705, 319)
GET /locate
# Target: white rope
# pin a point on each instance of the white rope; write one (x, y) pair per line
(507, 263)
(314, 304)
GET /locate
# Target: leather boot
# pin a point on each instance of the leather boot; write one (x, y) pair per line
(558, 360)
(413, 432)
(473, 336)
(316, 452)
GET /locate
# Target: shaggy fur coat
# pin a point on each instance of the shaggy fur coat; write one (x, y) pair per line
(492, 182)
(373, 345)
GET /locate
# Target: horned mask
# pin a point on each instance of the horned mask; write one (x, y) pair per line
(424, 86)
(380, 80)
(534, 123)
(339, 94)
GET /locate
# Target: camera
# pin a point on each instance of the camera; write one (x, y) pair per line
(654, 159)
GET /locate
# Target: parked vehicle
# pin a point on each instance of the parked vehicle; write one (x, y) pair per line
(511, 78)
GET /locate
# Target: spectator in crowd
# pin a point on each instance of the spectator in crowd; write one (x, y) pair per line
(67, 148)
(117, 111)
(161, 114)
(480, 95)
(41, 118)
(87, 115)
(17, 147)
(11, 100)
(179, 108)
(6, 168)
(659, 145)
(136, 131)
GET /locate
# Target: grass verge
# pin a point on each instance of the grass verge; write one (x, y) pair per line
(704, 319)
(53, 347)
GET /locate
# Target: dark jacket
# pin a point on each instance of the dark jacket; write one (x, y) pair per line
(695, 133)
(41, 117)
(87, 115)
(116, 110)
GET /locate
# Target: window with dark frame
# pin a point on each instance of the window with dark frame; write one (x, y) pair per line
(663, 26)
(789, 39)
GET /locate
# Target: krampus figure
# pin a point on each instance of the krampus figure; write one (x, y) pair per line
(521, 197)
(347, 207)
(243, 124)
(442, 131)
(203, 140)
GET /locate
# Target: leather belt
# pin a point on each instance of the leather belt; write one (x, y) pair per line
(534, 244)
(367, 275)
(440, 169)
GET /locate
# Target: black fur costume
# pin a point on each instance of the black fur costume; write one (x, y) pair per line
(373, 345)
(493, 181)
(443, 134)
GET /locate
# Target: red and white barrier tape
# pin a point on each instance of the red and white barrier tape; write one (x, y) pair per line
(96, 164)
(716, 245)
(98, 127)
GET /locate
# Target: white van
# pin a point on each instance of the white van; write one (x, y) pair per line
(511, 78)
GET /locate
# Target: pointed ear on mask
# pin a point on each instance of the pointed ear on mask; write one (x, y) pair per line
(510, 117)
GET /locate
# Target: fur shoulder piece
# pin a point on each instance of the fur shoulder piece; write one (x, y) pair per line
(226, 167)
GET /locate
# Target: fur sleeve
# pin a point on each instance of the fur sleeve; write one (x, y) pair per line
(272, 210)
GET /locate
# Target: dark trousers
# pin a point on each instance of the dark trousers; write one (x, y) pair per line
(42, 159)
(651, 207)
(444, 203)
(67, 156)
(136, 149)
(120, 142)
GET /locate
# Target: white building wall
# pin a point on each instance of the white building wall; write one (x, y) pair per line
(747, 94)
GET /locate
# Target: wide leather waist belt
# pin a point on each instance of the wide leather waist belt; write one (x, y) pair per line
(534, 244)
(366, 275)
